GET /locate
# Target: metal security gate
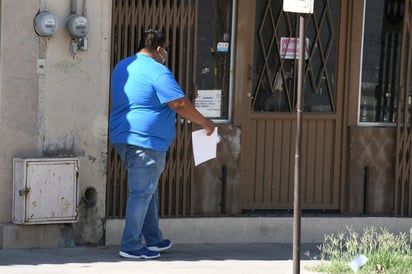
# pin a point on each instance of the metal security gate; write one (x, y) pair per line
(403, 180)
(176, 18)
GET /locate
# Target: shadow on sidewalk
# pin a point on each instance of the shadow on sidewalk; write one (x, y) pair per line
(178, 252)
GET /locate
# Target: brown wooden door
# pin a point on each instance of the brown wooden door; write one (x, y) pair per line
(269, 118)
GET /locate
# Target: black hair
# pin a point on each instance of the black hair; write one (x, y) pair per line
(152, 38)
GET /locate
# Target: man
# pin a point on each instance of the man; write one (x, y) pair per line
(145, 98)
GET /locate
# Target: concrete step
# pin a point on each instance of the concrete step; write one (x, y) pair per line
(206, 230)
(258, 229)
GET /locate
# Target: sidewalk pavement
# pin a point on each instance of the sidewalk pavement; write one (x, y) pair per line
(273, 258)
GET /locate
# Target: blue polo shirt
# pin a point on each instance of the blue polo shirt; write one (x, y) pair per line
(140, 90)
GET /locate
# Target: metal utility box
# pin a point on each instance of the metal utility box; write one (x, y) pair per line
(45, 190)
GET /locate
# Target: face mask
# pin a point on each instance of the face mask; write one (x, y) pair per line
(164, 57)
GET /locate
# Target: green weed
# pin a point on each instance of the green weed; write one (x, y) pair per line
(387, 253)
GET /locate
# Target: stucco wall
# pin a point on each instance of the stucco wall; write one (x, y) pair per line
(371, 171)
(62, 112)
(216, 188)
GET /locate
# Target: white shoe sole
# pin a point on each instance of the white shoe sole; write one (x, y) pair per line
(158, 249)
(130, 256)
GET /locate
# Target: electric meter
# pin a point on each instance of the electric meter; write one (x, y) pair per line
(77, 26)
(45, 23)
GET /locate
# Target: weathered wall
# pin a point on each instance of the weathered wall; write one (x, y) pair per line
(62, 112)
(211, 181)
(371, 170)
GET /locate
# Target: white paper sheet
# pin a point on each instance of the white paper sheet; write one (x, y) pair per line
(204, 147)
(358, 262)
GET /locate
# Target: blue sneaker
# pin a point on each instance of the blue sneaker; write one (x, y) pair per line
(162, 246)
(142, 253)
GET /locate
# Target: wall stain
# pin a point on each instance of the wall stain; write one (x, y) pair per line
(63, 146)
(92, 158)
(72, 70)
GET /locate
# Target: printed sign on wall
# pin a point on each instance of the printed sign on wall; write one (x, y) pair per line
(208, 102)
(289, 48)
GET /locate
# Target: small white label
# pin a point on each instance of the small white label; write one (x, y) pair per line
(298, 6)
(222, 47)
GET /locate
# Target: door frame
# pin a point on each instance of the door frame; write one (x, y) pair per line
(348, 35)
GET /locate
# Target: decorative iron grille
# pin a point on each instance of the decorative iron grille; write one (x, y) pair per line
(403, 187)
(276, 55)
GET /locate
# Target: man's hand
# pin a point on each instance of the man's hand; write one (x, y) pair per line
(209, 126)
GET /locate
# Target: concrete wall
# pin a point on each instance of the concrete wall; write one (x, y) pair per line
(61, 112)
(371, 172)
(211, 181)
(260, 229)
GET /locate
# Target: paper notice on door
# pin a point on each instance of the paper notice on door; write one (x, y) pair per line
(204, 147)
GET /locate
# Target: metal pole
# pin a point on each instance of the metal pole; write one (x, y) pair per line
(298, 148)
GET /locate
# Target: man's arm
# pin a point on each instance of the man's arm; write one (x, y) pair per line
(185, 108)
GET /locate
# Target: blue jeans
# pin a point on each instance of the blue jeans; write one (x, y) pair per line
(144, 167)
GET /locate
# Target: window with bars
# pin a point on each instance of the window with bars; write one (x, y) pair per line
(383, 20)
(214, 59)
(275, 67)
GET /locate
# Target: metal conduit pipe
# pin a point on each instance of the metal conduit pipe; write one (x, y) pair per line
(73, 7)
(365, 189)
(85, 8)
(223, 190)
